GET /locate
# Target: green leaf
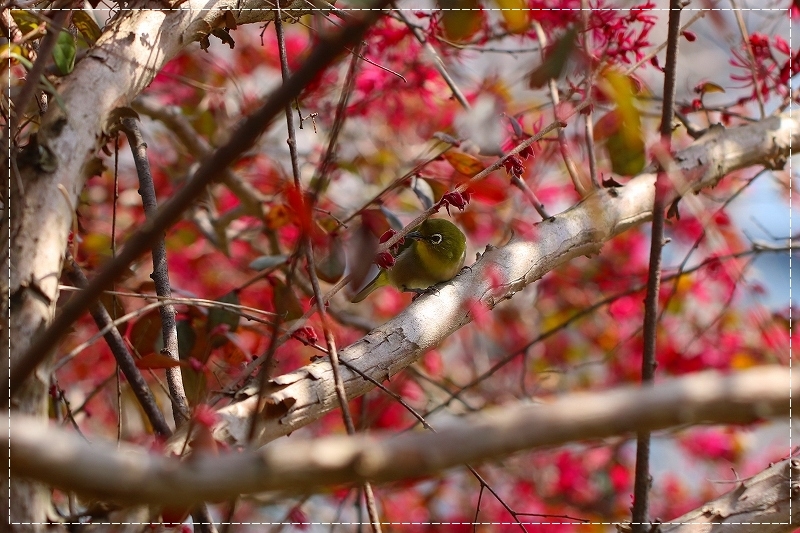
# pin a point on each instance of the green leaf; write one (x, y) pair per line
(64, 53)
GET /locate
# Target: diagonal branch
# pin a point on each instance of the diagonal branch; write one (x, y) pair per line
(121, 354)
(300, 397)
(323, 55)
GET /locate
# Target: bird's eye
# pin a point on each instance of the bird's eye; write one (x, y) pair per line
(436, 238)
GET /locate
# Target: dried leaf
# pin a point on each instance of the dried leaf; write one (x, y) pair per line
(155, 361)
(464, 163)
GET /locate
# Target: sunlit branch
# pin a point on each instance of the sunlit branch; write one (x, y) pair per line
(306, 393)
(64, 460)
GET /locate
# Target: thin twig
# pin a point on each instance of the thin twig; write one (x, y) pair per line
(121, 353)
(588, 118)
(310, 263)
(650, 55)
(399, 399)
(643, 480)
(746, 41)
(562, 138)
(160, 275)
(249, 196)
(240, 140)
(438, 64)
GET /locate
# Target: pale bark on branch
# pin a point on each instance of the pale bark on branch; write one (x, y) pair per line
(300, 397)
(45, 192)
(130, 475)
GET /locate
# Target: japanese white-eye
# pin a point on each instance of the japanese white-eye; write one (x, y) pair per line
(434, 252)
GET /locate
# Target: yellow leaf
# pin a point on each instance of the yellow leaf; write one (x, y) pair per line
(464, 163)
(461, 19)
(621, 128)
(278, 216)
(26, 20)
(516, 14)
(708, 87)
(87, 26)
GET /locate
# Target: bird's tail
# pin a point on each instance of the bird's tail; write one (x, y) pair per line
(378, 281)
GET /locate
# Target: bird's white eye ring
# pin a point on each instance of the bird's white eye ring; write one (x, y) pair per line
(436, 238)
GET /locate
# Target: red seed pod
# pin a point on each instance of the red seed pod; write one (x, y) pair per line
(456, 199)
(307, 335)
(384, 260)
(689, 35)
(388, 234)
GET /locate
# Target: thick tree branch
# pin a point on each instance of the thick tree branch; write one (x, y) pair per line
(130, 475)
(300, 397)
(757, 504)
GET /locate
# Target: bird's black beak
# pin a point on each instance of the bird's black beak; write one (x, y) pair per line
(416, 236)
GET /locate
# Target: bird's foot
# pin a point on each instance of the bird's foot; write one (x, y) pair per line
(419, 292)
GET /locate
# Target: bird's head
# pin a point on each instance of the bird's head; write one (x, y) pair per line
(441, 240)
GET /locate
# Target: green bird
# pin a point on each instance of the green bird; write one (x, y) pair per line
(434, 252)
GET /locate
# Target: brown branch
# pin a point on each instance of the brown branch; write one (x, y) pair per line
(160, 275)
(169, 329)
(64, 460)
(121, 353)
(642, 478)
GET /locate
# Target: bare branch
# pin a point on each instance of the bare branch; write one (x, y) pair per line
(122, 355)
(160, 275)
(131, 475)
